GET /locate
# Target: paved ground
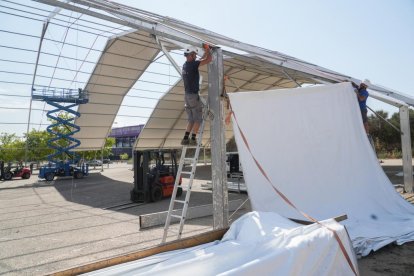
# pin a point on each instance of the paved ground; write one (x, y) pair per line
(47, 227)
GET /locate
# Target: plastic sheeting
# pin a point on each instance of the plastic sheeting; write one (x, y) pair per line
(258, 243)
(312, 145)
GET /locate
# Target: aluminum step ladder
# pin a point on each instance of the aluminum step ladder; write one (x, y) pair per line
(184, 203)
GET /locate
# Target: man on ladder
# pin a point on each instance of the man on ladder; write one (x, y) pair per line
(362, 95)
(193, 105)
(196, 123)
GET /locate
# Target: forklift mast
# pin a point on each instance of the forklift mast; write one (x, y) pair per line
(140, 192)
(148, 166)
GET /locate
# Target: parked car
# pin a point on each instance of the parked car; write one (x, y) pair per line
(94, 162)
(107, 161)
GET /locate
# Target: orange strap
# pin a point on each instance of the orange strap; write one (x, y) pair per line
(341, 246)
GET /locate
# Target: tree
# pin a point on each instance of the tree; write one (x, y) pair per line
(38, 149)
(109, 143)
(10, 147)
(387, 138)
(124, 156)
(97, 154)
(14, 149)
(7, 139)
(381, 131)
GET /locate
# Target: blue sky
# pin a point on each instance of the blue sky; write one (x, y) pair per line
(363, 39)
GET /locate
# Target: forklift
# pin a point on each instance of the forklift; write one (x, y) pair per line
(155, 171)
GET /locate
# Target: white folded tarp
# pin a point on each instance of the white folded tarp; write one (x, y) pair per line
(258, 243)
(312, 145)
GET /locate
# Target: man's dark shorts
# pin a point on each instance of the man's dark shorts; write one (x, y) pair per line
(194, 108)
(364, 113)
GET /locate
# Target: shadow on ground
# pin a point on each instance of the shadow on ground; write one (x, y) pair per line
(99, 191)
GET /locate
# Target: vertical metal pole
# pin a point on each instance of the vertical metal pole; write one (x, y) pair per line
(102, 150)
(406, 149)
(218, 142)
(45, 25)
(133, 158)
(31, 93)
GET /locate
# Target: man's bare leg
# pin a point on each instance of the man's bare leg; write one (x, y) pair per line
(196, 126)
(193, 140)
(186, 139)
(189, 127)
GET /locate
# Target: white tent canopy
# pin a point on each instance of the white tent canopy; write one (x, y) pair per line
(122, 62)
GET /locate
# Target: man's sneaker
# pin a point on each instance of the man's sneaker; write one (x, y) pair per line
(193, 142)
(185, 142)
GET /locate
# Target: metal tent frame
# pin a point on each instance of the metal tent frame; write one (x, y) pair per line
(246, 67)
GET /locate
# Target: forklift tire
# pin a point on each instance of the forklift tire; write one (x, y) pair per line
(8, 176)
(49, 176)
(26, 175)
(179, 191)
(156, 193)
(135, 196)
(78, 175)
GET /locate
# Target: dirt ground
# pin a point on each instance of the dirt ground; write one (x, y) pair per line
(46, 227)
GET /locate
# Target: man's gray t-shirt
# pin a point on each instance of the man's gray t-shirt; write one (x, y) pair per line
(191, 76)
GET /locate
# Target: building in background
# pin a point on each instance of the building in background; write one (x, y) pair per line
(124, 140)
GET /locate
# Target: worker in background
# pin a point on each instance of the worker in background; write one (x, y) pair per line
(193, 105)
(362, 95)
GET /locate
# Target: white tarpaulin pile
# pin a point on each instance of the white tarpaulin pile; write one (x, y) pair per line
(312, 145)
(259, 243)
